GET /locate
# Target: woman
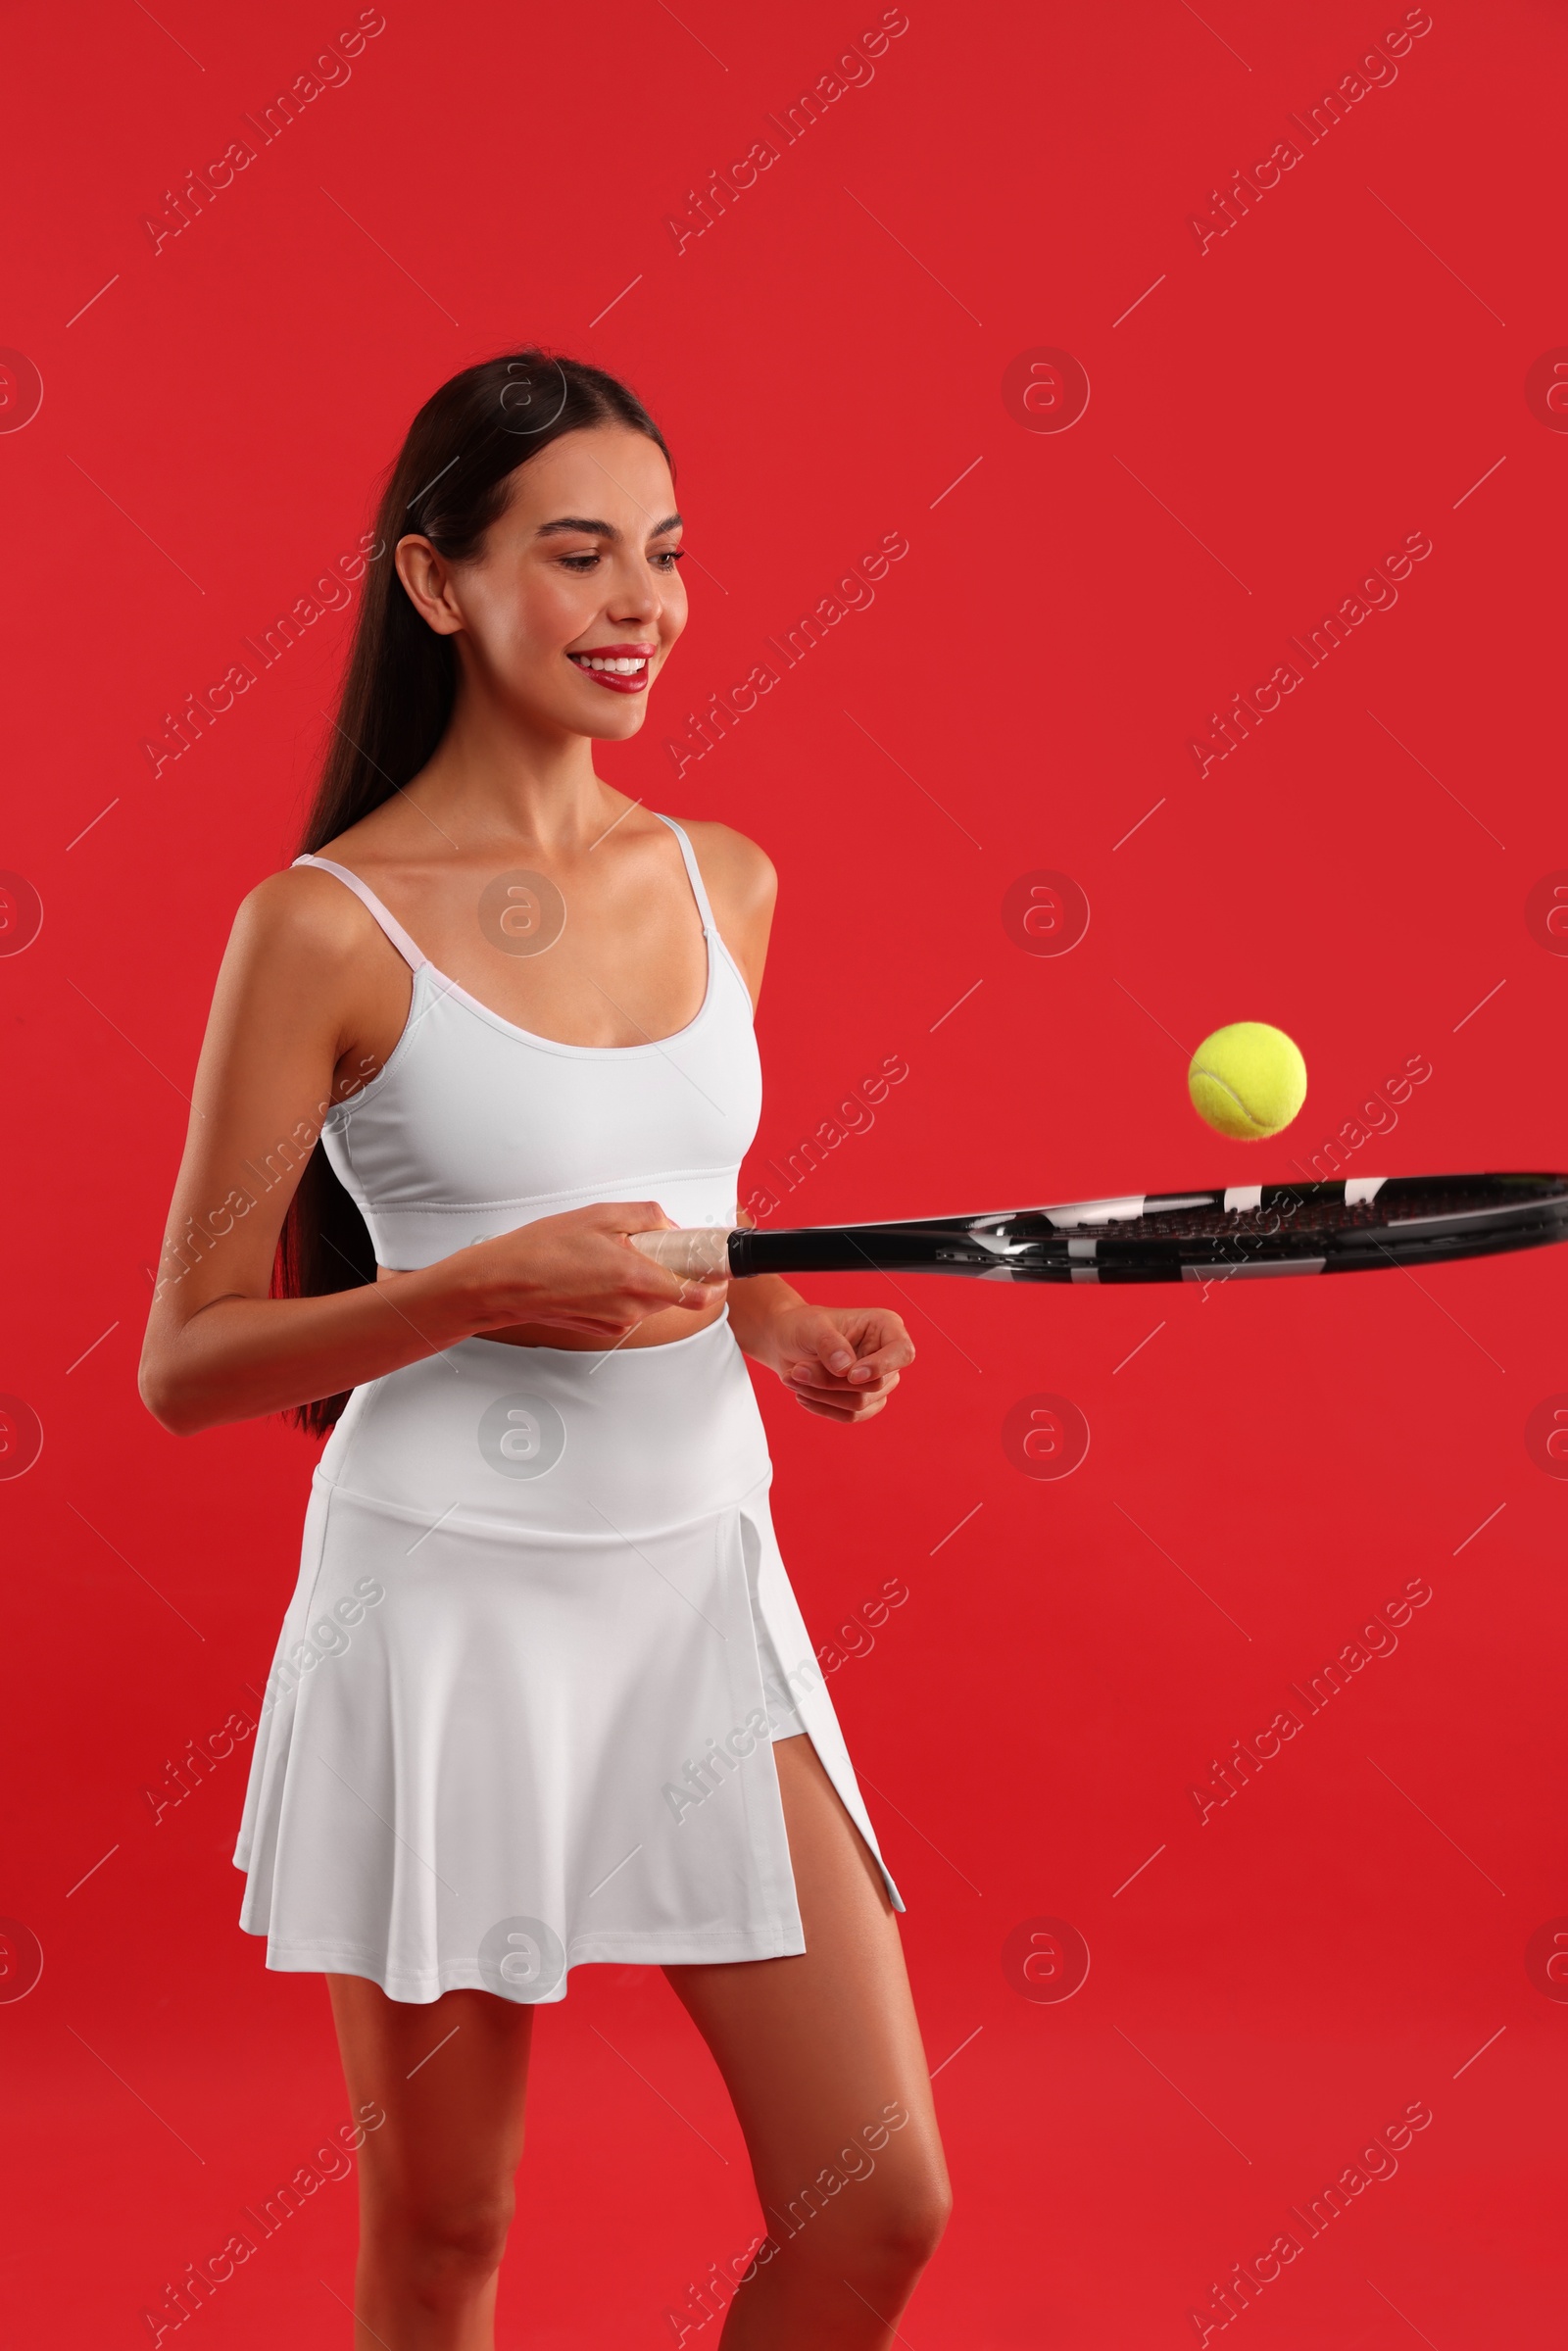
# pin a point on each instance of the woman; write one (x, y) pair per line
(543, 1695)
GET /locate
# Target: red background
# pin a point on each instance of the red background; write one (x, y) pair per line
(1277, 414)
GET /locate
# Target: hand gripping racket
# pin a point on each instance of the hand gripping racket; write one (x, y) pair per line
(1351, 1226)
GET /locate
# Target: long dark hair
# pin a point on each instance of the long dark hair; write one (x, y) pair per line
(450, 484)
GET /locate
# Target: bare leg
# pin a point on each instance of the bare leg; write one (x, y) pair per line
(436, 2178)
(822, 2057)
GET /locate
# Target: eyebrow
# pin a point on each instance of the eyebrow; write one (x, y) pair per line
(600, 530)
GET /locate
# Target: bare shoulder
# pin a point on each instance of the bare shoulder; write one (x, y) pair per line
(733, 866)
(304, 937)
(301, 912)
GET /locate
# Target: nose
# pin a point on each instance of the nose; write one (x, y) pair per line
(636, 596)
(637, 592)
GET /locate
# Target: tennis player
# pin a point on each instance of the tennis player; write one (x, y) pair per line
(543, 1697)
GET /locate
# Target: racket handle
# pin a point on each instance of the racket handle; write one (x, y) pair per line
(692, 1252)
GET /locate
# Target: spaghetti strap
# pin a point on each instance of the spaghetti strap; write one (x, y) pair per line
(689, 856)
(413, 956)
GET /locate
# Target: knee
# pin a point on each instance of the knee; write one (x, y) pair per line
(446, 2248)
(912, 2227)
(900, 2232)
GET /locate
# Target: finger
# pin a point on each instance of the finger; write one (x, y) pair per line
(892, 1356)
(839, 1350)
(824, 1410)
(810, 1367)
(696, 1296)
(867, 1337)
(812, 1377)
(868, 1327)
(834, 1351)
(805, 1381)
(636, 1216)
(850, 1412)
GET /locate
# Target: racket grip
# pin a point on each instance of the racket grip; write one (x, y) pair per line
(692, 1252)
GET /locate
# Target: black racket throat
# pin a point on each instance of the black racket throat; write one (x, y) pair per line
(1357, 1224)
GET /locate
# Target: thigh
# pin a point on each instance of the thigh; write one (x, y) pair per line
(822, 2053)
(451, 2077)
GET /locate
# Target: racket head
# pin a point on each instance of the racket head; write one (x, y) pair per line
(1359, 1223)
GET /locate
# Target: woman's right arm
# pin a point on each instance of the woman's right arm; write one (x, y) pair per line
(300, 984)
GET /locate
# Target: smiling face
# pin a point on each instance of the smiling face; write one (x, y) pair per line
(575, 599)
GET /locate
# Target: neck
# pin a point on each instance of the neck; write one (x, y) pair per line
(500, 775)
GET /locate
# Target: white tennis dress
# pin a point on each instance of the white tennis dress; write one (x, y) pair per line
(521, 1708)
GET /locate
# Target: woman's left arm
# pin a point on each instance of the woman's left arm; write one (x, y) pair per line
(840, 1361)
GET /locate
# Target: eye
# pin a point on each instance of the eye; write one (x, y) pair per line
(671, 556)
(579, 563)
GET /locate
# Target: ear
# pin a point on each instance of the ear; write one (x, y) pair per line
(428, 578)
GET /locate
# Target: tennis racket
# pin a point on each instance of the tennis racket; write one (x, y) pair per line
(1352, 1226)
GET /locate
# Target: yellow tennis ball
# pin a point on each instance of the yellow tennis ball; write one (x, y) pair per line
(1248, 1080)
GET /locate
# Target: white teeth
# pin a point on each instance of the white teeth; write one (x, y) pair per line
(621, 666)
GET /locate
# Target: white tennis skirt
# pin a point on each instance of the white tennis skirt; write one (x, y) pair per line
(522, 1706)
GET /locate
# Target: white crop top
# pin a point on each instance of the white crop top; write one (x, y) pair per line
(475, 1126)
